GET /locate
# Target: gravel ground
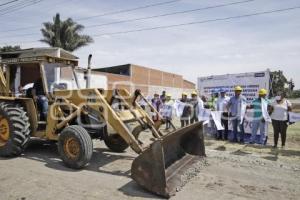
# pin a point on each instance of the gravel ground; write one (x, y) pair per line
(232, 171)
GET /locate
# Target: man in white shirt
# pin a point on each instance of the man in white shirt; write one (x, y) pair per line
(196, 104)
(221, 104)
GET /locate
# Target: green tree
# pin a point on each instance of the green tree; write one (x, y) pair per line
(9, 48)
(278, 83)
(64, 34)
(295, 94)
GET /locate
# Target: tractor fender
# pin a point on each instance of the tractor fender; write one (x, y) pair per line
(29, 107)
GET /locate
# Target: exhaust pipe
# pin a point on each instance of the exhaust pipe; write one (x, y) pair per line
(88, 74)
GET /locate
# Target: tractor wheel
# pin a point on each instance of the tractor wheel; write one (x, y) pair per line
(14, 129)
(75, 147)
(115, 142)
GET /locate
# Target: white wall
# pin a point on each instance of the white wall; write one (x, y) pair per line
(97, 80)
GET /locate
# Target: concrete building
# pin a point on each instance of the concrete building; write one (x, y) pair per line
(148, 80)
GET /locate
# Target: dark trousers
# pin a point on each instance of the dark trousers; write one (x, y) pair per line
(279, 127)
(193, 120)
(42, 103)
(184, 122)
(168, 123)
(224, 133)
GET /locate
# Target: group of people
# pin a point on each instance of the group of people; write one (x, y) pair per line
(262, 110)
(165, 105)
(233, 109)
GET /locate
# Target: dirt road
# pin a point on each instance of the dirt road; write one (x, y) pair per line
(233, 172)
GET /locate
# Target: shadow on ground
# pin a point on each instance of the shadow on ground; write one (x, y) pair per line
(47, 153)
(278, 151)
(240, 152)
(221, 148)
(134, 190)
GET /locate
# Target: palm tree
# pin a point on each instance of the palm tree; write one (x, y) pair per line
(64, 34)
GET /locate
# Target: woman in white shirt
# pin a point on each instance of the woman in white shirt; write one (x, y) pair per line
(280, 108)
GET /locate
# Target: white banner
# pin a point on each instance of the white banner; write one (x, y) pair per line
(204, 115)
(250, 82)
(179, 106)
(216, 116)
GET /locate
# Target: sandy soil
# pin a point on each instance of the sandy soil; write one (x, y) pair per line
(233, 172)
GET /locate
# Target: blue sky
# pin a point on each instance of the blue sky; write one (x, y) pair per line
(240, 45)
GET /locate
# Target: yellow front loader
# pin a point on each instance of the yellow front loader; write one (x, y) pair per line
(76, 116)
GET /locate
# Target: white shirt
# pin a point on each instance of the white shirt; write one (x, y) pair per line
(222, 103)
(280, 110)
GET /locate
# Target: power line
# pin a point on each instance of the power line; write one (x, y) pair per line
(128, 10)
(21, 6)
(23, 2)
(169, 14)
(199, 22)
(192, 23)
(30, 27)
(149, 17)
(19, 29)
(104, 14)
(9, 2)
(13, 6)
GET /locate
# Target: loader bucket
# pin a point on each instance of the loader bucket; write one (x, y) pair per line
(162, 167)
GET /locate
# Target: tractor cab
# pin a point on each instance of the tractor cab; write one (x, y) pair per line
(31, 75)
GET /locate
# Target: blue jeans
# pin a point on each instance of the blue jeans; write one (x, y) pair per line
(42, 103)
(235, 123)
(258, 124)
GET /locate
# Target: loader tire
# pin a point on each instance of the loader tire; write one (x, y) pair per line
(14, 129)
(115, 142)
(75, 147)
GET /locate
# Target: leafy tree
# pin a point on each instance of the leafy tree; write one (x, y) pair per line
(291, 85)
(64, 34)
(9, 48)
(295, 94)
(278, 82)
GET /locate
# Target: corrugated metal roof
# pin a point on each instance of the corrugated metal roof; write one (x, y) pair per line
(42, 51)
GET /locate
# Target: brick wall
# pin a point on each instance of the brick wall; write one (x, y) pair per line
(149, 81)
(188, 84)
(140, 75)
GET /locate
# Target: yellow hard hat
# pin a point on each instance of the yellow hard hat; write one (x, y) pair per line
(262, 91)
(184, 94)
(194, 93)
(168, 95)
(238, 88)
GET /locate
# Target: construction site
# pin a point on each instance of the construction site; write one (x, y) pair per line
(142, 115)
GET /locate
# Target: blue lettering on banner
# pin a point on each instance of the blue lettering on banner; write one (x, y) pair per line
(262, 74)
